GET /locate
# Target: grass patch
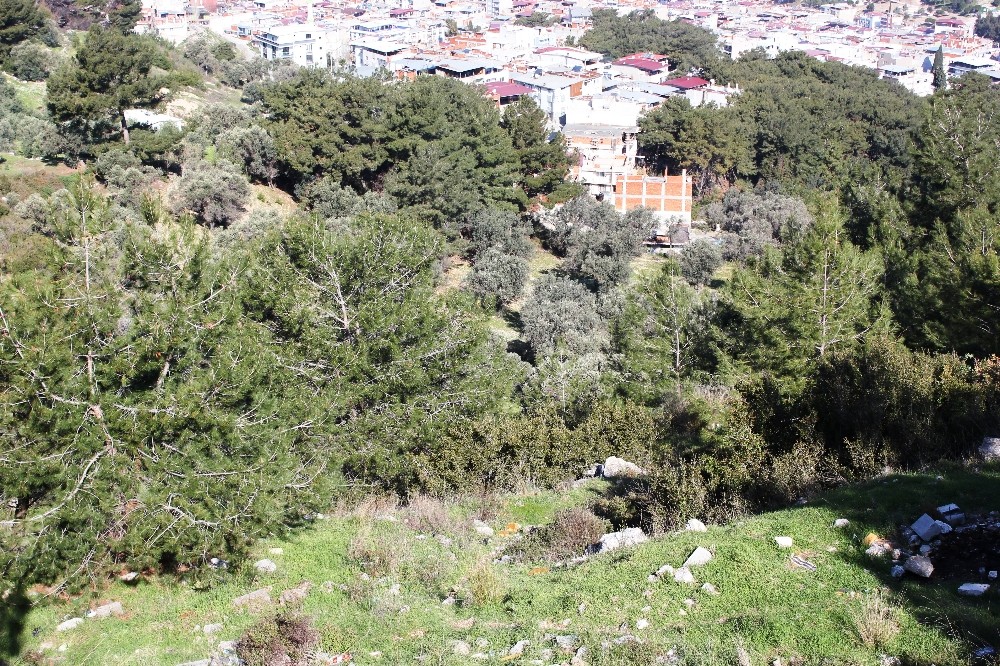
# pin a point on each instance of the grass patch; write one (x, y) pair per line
(436, 589)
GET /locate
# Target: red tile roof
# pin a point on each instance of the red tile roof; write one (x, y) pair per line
(507, 89)
(645, 64)
(686, 82)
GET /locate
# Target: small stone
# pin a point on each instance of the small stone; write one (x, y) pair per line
(897, 571)
(641, 624)
(210, 629)
(695, 525)
(943, 526)
(449, 601)
(295, 594)
(683, 575)
(481, 656)
(395, 590)
(783, 541)
(461, 648)
(519, 648)
(581, 609)
(925, 549)
(646, 609)
(615, 540)
(580, 658)
(690, 603)
(276, 551)
(482, 529)
(107, 610)
(265, 566)
(919, 565)
(70, 624)
(63, 647)
(699, 557)
(652, 578)
(567, 641)
(708, 588)
(926, 527)
(129, 577)
(665, 570)
(841, 522)
(973, 589)
(876, 550)
(992, 575)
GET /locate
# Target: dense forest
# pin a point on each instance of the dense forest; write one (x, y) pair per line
(181, 374)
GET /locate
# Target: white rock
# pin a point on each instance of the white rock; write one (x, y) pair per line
(482, 529)
(876, 550)
(276, 551)
(973, 589)
(683, 575)
(783, 541)
(897, 571)
(709, 588)
(616, 540)
(519, 648)
(107, 610)
(924, 549)
(265, 566)
(992, 575)
(210, 629)
(615, 468)
(63, 647)
(665, 570)
(395, 590)
(695, 525)
(926, 527)
(70, 624)
(990, 448)
(947, 508)
(944, 527)
(461, 648)
(641, 624)
(919, 565)
(841, 522)
(699, 557)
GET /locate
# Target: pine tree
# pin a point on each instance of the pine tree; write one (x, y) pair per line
(940, 77)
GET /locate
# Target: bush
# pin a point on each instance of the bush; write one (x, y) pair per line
(561, 313)
(486, 586)
(498, 278)
(213, 193)
(281, 640)
(568, 535)
(699, 261)
(30, 61)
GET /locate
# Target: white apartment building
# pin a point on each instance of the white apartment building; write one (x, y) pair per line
(299, 43)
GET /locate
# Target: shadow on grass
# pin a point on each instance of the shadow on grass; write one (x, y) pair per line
(887, 505)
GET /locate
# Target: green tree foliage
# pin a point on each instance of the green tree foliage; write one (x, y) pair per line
(497, 277)
(30, 61)
(213, 193)
(710, 143)
(659, 338)
(687, 46)
(794, 306)
(537, 20)
(544, 161)
(124, 14)
(20, 21)
(561, 313)
(501, 230)
(110, 72)
(988, 26)
(755, 220)
(699, 262)
(940, 76)
(253, 149)
(328, 198)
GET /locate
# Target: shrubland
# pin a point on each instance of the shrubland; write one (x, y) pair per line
(184, 372)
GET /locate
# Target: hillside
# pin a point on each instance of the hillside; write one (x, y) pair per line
(392, 585)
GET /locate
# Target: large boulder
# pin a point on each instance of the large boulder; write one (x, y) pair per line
(990, 448)
(616, 540)
(618, 468)
(919, 565)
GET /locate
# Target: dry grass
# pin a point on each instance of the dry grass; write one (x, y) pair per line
(875, 621)
(378, 554)
(486, 585)
(567, 536)
(433, 516)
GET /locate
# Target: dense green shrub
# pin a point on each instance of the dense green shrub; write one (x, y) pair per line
(285, 639)
(568, 535)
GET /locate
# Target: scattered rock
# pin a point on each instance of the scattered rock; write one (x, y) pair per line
(665, 570)
(876, 550)
(990, 448)
(276, 551)
(295, 594)
(641, 624)
(683, 575)
(481, 656)
(463, 624)
(482, 529)
(973, 589)
(919, 565)
(695, 525)
(582, 608)
(690, 603)
(708, 588)
(461, 648)
(925, 549)
(70, 624)
(783, 541)
(200, 662)
(567, 641)
(129, 577)
(254, 600)
(984, 652)
(580, 658)
(926, 527)
(952, 514)
(449, 601)
(699, 557)
(616, 540)
(210, 629)
(897, 571)
(616, 468)
(841, 522)
(992, 575)
(519, 648)
(107, 610)
(265, 566)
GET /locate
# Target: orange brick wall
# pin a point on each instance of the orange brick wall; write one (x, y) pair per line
(670, 195)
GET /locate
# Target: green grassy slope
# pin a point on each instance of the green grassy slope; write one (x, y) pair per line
(766, 608)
